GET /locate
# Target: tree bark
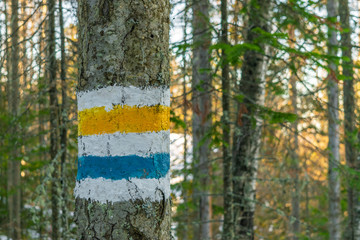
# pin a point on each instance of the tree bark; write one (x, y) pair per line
(353, 230)
(333, 126)
(55, 187)
(248, 125)
(123, 112)
(14, 180)
(294, 161)
(201, 100)
(228, 233)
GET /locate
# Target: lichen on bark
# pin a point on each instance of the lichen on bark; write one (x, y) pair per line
(137, 220)
(123, 43)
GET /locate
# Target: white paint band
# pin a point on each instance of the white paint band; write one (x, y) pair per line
(117, 95)
(106, 190)
(119, 144)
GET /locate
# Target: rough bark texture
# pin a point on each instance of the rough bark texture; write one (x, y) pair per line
(228, 233)
(294, 161)
(123, 43)
(55, 186)
(353, 230)
(248, 129)
(14, 191)
(201, 99)
(333, 128)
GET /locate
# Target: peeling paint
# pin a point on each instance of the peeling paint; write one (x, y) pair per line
(123, 119)
(119, 144)
(131, 166)
(118, 95)
(106, 190)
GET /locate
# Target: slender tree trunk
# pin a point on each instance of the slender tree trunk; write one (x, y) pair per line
(3, 56)
(185, 109)
(55, 187)
(24, 60)
(247, 140)
(294, 168)
(42, 72)
(333, 128)
(228, 211)
(14, 199)
(40, 85)
(353, 230)
(201, 99)
(123, 185)
(9, 174)
(63, 128)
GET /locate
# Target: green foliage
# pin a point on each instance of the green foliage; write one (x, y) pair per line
(274, 117)
(178, 122)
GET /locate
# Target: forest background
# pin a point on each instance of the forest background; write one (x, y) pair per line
(300, 114)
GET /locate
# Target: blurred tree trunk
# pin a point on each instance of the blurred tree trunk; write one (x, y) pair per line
(227, 180)
(41, 102)
(353, 230)
(294, 161)
(14, 191)
(186, 191)
(55, 187)
(201, 100)
(42, 75)
(247, 134)
(24, 59)
(124, 44)
(63, 127)
(2, 92)
(333, 126)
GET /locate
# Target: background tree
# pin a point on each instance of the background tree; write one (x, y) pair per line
(247, 134)
(349, 119)
(333, 129)
(13, 177)
(228, 205)
(201, 120)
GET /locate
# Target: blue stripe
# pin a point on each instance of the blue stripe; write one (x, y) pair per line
(125, 167)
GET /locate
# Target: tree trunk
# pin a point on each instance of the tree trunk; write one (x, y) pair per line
(333, 128)
(63, 127)
(42, 72)
(353, 230)
(247, 134)
(24, 59)
(55, 187)
(228, 233)
(294, 161)
(201, 100)
(123, 186)
(14, 191)
(186, 218)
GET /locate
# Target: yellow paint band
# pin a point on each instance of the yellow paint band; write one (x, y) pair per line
(125, 119)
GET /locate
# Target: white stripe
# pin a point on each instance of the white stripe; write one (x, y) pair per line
(118, 144)
(118, 95)
(105, 190)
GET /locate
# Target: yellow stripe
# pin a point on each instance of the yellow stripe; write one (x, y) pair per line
(124, 119)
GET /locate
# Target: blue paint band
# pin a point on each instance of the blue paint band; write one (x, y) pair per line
(124, 167)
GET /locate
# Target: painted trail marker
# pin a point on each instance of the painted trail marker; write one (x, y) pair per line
(124, 141)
